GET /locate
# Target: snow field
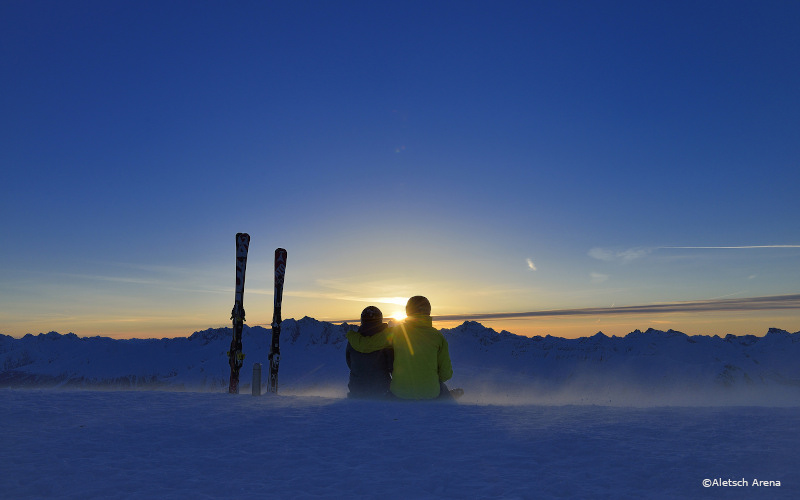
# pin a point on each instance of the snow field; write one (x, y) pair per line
(152, 444)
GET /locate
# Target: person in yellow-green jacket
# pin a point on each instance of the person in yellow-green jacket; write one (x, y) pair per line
(421, 355)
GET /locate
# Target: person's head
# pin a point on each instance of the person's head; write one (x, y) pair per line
(371, 320)
(418, 305)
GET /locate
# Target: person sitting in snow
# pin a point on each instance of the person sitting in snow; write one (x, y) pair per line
(370, 373)
(421, 355)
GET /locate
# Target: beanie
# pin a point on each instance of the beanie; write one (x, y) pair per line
(371, 314)
(371, 321)
(418, 305)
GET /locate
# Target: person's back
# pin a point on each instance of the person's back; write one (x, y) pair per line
(421, 354)
(370, 373)
(423, 360)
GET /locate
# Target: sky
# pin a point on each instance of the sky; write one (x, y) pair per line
(541, 167)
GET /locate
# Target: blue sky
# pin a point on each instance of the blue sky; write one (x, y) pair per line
(498, 157)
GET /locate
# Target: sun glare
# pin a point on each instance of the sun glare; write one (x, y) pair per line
(399, 316)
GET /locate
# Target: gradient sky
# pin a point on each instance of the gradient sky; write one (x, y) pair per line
(497, 157)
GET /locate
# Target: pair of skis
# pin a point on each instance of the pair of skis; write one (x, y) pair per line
(235, 355)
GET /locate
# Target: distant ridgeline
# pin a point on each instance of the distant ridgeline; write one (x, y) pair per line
(643, 367)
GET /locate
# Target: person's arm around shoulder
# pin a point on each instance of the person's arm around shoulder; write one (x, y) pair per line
(374, 343)
(445, 366)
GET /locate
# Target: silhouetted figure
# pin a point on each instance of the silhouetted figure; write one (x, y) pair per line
(370, 373)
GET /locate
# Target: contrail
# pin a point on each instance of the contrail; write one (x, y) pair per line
(732, 247)
(774, 302)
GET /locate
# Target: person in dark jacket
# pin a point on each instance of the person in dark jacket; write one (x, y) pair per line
(370, 373)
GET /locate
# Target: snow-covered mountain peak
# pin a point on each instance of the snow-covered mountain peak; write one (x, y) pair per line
(485, 334)
(777, 332)
(309, 331)
(652, 333)
(210, 335)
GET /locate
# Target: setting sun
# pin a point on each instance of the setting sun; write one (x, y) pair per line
(398, 316)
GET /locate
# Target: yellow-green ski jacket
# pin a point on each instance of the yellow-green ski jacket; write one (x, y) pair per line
(421, 356)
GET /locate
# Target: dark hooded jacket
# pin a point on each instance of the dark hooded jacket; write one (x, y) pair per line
(370, 374)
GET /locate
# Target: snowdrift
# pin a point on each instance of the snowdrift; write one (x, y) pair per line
(642, 368)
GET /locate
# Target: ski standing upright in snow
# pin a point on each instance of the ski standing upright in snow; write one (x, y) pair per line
(274, 349)
(235, 355)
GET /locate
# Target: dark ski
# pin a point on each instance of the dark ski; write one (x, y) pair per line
(274, 348)
(235, 355)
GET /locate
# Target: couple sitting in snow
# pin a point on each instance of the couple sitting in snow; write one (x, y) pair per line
(408, 361)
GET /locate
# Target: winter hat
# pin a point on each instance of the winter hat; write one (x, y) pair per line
(418, 305)
(371, 321)
(371, 314)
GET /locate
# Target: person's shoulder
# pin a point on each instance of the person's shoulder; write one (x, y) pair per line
(389, 328)
(435, 332)
(430, 330)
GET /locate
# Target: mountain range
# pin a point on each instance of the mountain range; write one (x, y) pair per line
(642, 368)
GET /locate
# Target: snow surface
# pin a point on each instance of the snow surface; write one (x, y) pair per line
(157, 444)
(649, 415)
